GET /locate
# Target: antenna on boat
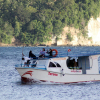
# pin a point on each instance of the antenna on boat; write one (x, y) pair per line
(23, 48)
(22, 55)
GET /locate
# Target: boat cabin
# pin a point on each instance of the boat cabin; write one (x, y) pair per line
(70, 65)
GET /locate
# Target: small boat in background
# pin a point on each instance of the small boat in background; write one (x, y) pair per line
(62, 70)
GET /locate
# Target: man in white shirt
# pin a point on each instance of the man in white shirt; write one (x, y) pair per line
(26, 60)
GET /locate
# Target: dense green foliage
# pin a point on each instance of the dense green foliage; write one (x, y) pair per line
(34, 21)
(69, 37)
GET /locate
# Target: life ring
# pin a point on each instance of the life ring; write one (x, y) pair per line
(55, 53)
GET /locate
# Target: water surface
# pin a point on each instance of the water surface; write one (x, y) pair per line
(12, 89)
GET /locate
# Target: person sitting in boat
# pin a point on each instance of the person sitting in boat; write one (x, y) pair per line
(49, 52)
(42, 53)
(31, 55)
(26, 60)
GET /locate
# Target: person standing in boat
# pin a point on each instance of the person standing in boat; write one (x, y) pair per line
(50, 52)
(26, 60)
(42, 53)
(31, 55)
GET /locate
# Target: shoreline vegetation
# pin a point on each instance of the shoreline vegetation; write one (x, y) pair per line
(41, 45)
(35, 22)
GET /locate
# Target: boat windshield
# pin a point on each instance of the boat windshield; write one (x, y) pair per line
(54, 64)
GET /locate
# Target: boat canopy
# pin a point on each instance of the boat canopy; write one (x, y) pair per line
(83, 54)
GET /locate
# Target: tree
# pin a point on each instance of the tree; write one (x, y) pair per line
(57, 27)
(17, 28)
(23, 14)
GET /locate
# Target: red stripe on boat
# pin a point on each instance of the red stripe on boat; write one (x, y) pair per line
(28, 72)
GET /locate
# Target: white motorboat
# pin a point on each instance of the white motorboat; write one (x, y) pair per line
(61, 70)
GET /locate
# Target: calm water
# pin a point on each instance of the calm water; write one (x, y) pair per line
(12, 89)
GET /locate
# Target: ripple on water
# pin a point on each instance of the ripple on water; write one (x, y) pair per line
(12, 89)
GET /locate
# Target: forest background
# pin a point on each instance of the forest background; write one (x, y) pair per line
(33, 22)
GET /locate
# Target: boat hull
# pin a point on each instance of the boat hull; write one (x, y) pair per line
(31, 75)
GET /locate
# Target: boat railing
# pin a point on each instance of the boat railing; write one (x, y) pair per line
(70, 54)
(45, 58)
(77, 54)
(43, 67)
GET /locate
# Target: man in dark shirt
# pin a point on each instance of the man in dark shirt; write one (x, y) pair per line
(31, 55)
(50, 52)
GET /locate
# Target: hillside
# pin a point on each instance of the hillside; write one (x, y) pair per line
(61, 22)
